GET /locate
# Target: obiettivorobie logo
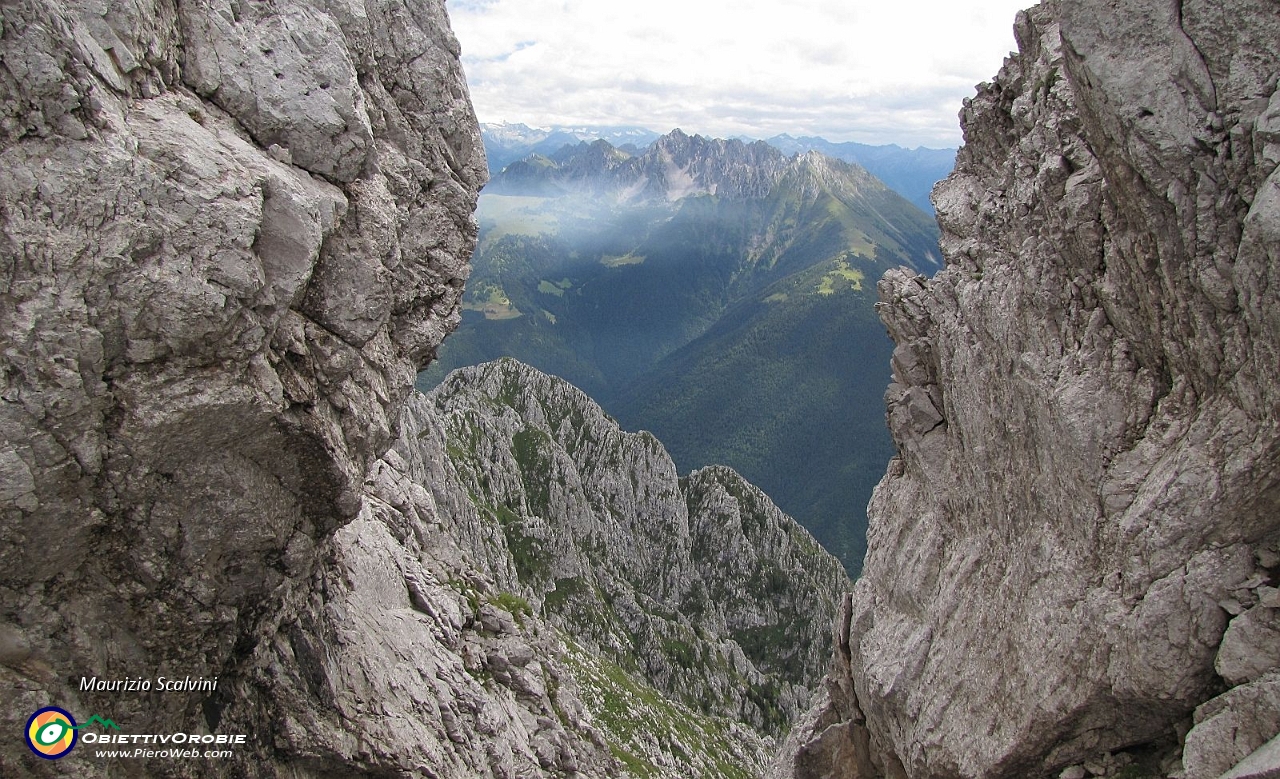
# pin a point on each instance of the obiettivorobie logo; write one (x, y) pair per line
(52, 732)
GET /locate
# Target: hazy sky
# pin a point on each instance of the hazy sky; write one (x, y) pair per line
(888, 71)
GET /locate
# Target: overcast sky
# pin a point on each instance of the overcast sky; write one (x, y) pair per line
(875, 71)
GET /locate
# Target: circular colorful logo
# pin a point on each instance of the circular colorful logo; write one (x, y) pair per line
(51, 732)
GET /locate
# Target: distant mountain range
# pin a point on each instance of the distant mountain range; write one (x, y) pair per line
(506, 143)
(718, 293)
(909, 172)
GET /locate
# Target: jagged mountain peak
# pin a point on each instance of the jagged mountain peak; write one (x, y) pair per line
(812, 173)
(693, 260)
(828, 168)
(599, 148)
(705, 144)
(506, 143)
(909, 172)
(678, 165)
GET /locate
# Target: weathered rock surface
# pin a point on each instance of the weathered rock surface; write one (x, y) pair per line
(529, 591)
(699, 585)
(1262, 764)
(1231, 727)
(1085, 406)
(398, 656)
(1251, 646)
(230, 234)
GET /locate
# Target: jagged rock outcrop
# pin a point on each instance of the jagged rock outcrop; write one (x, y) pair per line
(699, 585)
(230, 233)
(401, 656)
(1083, 518)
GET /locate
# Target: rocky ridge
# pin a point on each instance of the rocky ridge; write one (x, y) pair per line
(911, 173)
(506, 143)
(700, 584)
(1073, 560)
(485, 614)
(399, 656)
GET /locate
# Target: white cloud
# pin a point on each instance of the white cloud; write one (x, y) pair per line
(876, 72)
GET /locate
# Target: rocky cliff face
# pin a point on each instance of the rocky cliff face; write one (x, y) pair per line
(400, 656)
(230, 234)
(1075, 551)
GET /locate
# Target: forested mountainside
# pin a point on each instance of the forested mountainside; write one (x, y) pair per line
(716, 293)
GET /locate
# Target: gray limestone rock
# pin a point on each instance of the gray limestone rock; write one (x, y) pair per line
(397, 656)
(1084, 403)
(1250, 647)
(1262, 764)
(491, 610)
(1232, 726)
(276, 70)
(231, 233)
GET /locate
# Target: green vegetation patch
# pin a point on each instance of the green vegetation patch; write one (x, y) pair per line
(765, 644)
(681, 652)
(527, 554)
(467, 591)
(566, 589)
(557, 288)
(638, 721)
(852, 222)
(636, 765)
(513, 604)
(552, 288)
(462, 437)
(490, 299)
(530, 449)
(842, 272)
